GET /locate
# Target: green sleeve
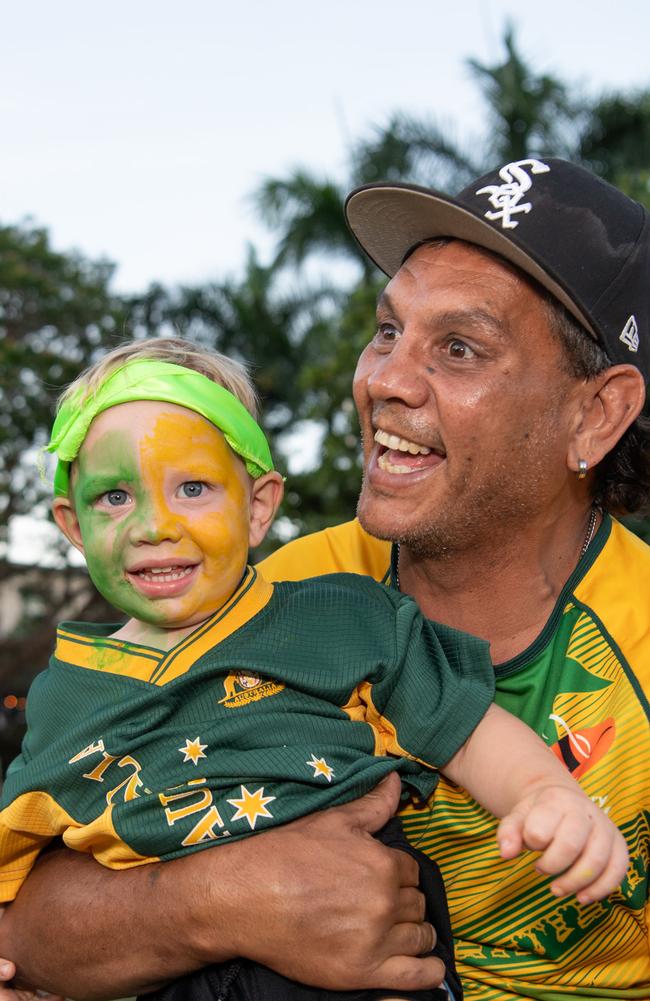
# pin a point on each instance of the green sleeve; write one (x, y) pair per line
(436, 691)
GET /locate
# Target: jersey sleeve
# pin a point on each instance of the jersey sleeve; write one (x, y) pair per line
(436, 692)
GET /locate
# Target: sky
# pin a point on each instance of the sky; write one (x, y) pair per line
(137, 131)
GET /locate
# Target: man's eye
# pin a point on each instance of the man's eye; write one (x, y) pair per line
(386, 333)
(116, 498)
(459, 349)
(193, 488)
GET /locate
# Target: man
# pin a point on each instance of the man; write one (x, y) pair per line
(500, 404)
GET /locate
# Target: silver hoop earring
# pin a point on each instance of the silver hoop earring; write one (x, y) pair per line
(582, 468)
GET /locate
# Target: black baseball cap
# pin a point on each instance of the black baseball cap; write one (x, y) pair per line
(581, 238)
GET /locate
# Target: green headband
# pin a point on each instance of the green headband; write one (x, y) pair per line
(144, 379)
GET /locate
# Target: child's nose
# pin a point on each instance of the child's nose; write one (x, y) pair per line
(158, 525)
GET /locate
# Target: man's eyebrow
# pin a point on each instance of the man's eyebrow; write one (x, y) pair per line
(384, 302)
(470, 317)
(466, 316)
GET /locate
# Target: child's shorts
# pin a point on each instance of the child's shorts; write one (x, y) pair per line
(243, 980)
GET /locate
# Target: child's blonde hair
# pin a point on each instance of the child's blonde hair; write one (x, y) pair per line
(232, 375)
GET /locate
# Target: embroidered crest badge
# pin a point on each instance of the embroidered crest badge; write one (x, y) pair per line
(506, 198)
(243, 687)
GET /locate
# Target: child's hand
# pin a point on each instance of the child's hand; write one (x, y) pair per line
(576, 838)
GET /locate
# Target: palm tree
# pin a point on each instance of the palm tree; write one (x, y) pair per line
(527, 114)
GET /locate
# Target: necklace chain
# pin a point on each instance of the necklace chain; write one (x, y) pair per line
(591, 528)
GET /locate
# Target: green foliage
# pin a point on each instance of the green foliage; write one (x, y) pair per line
(528, 114)
(58, 313)
(56, 316)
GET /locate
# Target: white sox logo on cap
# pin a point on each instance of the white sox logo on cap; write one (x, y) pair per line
(506, 197)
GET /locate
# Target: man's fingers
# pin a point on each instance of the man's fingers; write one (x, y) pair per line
(410, 974)
(410, 938)
(373, 810)
(411, 905)
(408, 871)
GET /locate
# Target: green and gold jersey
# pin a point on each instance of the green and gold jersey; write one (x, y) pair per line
(289, 699)
(583, 685)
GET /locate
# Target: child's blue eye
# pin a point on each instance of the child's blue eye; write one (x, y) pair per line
(192, 488)
(116, 498)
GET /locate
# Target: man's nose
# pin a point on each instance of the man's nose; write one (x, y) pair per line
(398, 375)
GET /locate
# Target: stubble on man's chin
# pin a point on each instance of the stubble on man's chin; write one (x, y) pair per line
(486, 516)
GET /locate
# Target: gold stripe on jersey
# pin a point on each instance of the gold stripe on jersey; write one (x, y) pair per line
(361, 706)
(100, 839)
(346, 548)
(114, 656)
(31, 821)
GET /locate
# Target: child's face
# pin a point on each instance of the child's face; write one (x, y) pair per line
(164, 511)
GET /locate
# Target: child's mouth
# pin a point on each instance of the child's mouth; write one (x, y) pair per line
(162, 582)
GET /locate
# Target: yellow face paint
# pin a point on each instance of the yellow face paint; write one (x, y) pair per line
(163, 509)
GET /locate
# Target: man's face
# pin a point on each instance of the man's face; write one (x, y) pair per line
(464, 405)
(162, 508)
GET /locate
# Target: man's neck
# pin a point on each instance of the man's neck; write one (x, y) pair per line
(503, 593)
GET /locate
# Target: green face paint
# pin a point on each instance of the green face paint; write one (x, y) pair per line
(108, 464)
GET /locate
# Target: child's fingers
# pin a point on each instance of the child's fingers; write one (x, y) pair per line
(561, 839)
(510, 834)
(599, 870)
(609, 880)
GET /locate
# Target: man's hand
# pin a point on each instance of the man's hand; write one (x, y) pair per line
(344, 911)
(576, 838)
(319, 900)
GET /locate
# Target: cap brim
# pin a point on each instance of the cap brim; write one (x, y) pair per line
(389, 220)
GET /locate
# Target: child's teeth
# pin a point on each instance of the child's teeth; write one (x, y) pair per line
(165, 574)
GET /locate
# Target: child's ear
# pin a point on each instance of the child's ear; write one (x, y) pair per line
(66, 518)
(266, 495)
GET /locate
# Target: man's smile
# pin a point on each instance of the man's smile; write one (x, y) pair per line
(400, 456)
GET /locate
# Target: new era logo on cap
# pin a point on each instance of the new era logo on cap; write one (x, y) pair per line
(630, 334)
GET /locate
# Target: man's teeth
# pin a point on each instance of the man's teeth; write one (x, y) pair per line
(164, 574)
(397, 444)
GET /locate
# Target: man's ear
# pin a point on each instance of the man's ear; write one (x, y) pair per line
(66, 518)
(610, 402)
(266, 495)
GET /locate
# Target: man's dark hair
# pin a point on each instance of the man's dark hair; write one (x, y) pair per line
(623, 476)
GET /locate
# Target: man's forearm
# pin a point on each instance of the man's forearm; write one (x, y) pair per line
(319, 900)
(79, 929)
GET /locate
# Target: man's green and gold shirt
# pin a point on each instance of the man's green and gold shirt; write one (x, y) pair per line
(583, 685)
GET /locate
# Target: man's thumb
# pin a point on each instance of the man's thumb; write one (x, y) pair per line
(373, 810)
